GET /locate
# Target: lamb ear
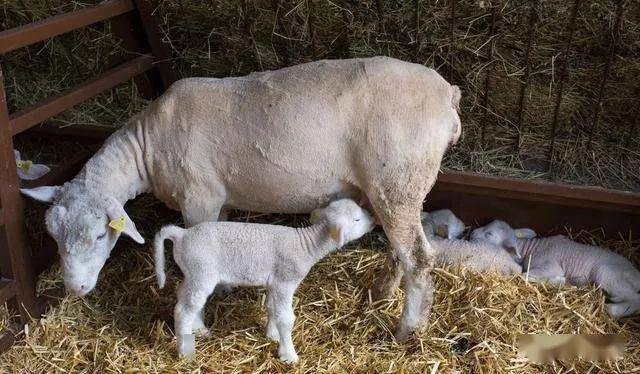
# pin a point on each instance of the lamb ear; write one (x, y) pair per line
(511, 247)
(315, 216)
(44, 194)
(525, 233)
(34, 171)
(337, 233)
(443, 231)
(121, 222)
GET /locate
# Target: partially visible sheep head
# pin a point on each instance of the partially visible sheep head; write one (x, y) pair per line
(86, 229)
(501, 234)
(347, 221)
(27, 170)
(442, 223)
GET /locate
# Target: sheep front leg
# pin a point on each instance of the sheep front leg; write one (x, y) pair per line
(284, 318)
(548, 272)
(272, 328)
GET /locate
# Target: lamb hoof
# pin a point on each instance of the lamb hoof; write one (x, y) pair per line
(403, 334)
(289, 357)
(187, 347)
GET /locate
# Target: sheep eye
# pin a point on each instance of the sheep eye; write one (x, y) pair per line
(357, 220)
(102, 236)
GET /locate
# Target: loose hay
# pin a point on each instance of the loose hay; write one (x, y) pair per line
(229, 38)
(126, 324)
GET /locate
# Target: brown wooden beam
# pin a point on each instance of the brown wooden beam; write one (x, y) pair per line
(540, 191)
(545, 207)
(85, 132)
(31, 116)
(38, 31)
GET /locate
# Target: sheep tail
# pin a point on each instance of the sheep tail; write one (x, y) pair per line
(173, 233)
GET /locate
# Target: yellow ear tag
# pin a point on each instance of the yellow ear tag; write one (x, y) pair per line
(117, 224)
(334, 233)
(442, 232)
(519, 234)
(314, 217)
(24, 165)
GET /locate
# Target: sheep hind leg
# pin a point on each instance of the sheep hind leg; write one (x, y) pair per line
(390, 280)
(401, 220)
(191, 301)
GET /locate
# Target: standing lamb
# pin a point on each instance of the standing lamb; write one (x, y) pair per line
(250, 254)
(451, 251)
(559, 260)
(284, 141)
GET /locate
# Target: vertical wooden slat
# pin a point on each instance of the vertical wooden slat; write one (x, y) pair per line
(487, 81)
(613, 42)
(128, 28)
(280, 47)
(562, 77)
(418, 33)
(151, 27)
(13, 239)
(531, 30)
(452, 25)
(311, 18)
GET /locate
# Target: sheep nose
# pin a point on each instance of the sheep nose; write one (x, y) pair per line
(75, 290)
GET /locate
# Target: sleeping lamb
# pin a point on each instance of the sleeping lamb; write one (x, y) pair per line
(451, 251)
(559, 260)
(247, 254)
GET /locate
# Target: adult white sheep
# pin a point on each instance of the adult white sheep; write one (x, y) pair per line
(559, 260)
(284, 141)
(251, 254)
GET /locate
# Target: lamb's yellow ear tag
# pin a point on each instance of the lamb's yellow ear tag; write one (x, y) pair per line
(24, 165)
(334, 232)
(117, 224)
(314, 217)
(442, 232)
(519, 234)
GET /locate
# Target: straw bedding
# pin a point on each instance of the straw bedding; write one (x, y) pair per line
(126, 324)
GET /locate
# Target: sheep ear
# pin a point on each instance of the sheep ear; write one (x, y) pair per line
(120, 221)
(315, 217)
(443, 231)
(337, 233)
(525, 233)
(44, 194)
(424, 216)
(29, 171)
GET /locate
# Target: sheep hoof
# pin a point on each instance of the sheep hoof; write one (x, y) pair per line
(289, 357)
(203, 332)
(403, 334)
